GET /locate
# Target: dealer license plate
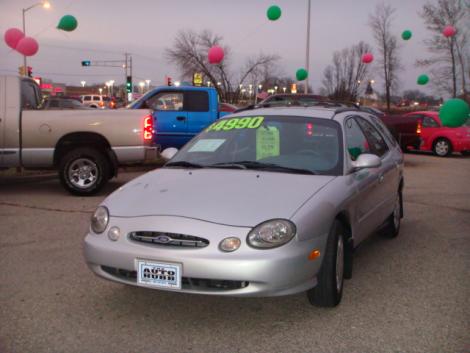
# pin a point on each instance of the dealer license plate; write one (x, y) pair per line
(159, 274)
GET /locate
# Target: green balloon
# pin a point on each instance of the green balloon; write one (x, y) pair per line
(406, 35)
(423, 79)
(274, 13)
(454, 112)
(301, 74)
(67, 23)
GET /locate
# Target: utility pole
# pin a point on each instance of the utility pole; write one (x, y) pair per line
(307, 52)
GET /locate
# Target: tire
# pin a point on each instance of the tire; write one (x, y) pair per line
(393, 223)
(329, 289)
(84, 171)
(465, 153)
(442, 147)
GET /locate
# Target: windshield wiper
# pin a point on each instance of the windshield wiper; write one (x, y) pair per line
(183, 164)
(263, 166)
(227, 165)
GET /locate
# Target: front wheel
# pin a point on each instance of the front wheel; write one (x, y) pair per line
(84, 171)
(329, 289)
(392, 226)
(442, 147)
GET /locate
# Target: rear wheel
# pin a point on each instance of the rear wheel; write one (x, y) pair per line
(329, 289)
(442, 147)
(84, 171)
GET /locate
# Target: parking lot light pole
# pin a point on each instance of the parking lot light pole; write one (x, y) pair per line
(307, 51)
(45, 4)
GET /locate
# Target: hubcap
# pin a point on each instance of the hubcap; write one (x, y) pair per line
(442, 148)
(339, 263)
(396, 213)
(83, 173)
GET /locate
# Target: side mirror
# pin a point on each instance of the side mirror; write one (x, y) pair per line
(168, 153)
(367, 160)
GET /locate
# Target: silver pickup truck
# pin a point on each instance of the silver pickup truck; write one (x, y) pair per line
(86, 146)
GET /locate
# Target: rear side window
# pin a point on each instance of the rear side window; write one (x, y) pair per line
(87, 98)
(429, 122)
(196, 101)
(376, 141)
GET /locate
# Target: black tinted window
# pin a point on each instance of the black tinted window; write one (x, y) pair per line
(429, 122)
(196, 101)
(376, 141)
(356, 142)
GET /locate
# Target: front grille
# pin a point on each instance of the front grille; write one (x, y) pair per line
(188, 283)
(169, 239)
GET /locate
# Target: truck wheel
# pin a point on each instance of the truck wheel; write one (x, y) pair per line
(442, 147)
(84, 171)
(329, 289)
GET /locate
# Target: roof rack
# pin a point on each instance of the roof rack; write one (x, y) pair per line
(320, 104)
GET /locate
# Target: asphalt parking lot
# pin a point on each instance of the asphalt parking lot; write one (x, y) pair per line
(409, 294)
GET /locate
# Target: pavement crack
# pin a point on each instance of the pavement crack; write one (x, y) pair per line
(12, 204)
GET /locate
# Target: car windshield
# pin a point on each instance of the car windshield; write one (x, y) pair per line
(287, 144)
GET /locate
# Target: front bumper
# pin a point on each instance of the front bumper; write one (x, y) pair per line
(244, 272)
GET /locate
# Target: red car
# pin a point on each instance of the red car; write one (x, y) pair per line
(440, 139)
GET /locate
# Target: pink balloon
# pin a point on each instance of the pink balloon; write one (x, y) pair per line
(367, 58)
(215, 55)
(12, 37)
(449, 31)
(27, 46)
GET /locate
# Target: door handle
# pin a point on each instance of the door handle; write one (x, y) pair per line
(381, 178)
(181, 118)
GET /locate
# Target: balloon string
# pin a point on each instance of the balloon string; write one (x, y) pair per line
(254, 30)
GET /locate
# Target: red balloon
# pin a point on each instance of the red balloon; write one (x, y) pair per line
(215, 55)
(367, 58)
(12, 37)
(27, 46)
(449, 31)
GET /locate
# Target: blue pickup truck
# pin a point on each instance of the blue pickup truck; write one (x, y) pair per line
(180, 113)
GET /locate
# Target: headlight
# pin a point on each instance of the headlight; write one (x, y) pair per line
(271, 234)
(100, 219)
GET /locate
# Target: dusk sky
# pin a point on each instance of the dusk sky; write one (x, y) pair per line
(109, 28)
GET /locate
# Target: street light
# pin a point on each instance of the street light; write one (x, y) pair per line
(141, 85)
(83, 83)
(147, 82)
(45, 4)
(284, 89)
(100, 90)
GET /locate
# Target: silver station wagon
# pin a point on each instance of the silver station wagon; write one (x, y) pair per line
(265, 202)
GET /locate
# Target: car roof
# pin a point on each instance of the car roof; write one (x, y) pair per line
(316, 112)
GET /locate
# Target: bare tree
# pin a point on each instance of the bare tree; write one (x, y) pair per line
(343, 78)
(381, 22)
(450, 63)
(189, 54)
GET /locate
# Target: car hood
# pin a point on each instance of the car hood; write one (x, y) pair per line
(231, 197)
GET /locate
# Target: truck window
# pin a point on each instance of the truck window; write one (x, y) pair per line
(196, 101)
(169, 101)
(30, 96)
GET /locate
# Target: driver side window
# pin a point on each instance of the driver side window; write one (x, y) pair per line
(166, 101)
(357, 143)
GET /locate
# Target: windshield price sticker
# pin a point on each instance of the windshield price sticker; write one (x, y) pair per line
(237, 123)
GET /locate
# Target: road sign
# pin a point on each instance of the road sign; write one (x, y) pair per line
(197, 79)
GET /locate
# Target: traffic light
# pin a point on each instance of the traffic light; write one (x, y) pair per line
(30, 71)
(86, 63)
(129, 84)
(168, 81)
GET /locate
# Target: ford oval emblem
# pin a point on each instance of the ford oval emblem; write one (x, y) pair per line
(162, 239)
